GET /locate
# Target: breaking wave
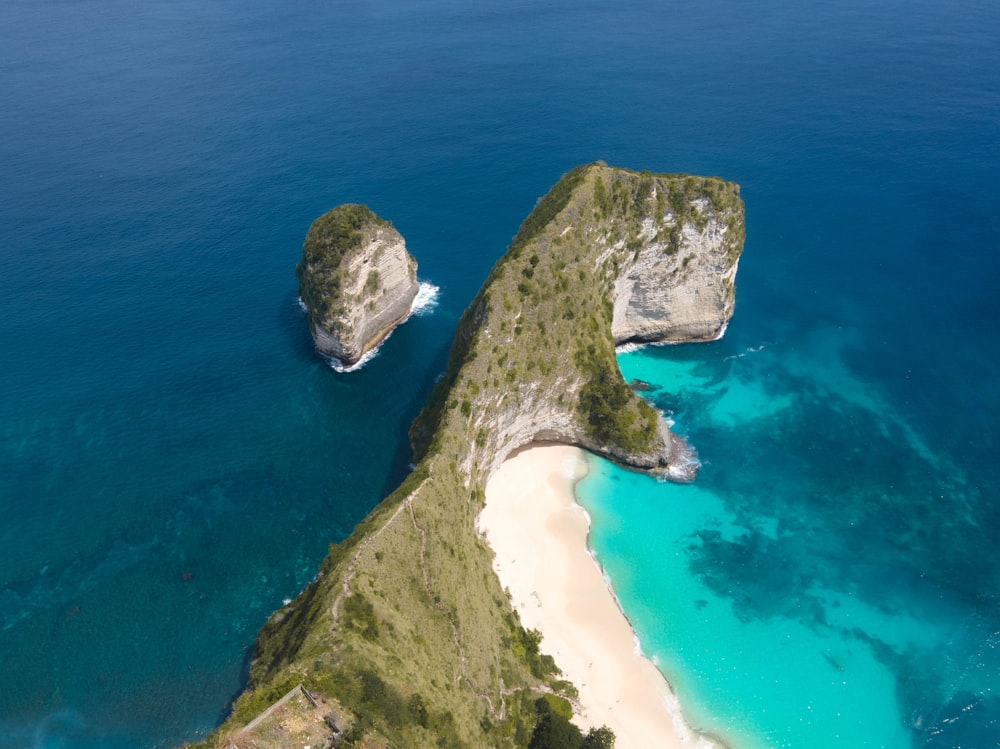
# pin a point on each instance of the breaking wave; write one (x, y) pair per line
(426, 300)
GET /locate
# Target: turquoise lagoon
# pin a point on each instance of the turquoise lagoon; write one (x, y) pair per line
(799, 592)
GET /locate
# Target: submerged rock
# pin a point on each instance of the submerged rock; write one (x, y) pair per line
(641, 386)
(357, 281)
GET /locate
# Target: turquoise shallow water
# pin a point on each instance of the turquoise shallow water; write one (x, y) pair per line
(174, 460)
(803, 591)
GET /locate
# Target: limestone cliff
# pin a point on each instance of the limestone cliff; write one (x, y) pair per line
(689, 295)
(607, 257)
(356, 280)
(406, 630)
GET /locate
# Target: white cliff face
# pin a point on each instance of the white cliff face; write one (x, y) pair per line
(377, 288)
(680, 293)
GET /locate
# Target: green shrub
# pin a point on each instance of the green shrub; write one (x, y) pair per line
(359, 615)
(599, 738)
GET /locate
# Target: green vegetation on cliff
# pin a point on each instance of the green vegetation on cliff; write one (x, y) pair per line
(330, 238)
(406, 629)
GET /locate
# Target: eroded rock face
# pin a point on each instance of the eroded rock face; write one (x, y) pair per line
(608, 256)
(356, 280)
(680, 287)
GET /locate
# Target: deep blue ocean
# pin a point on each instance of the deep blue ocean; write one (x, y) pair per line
(174, 460)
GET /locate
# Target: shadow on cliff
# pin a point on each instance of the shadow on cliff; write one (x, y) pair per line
(402, 458)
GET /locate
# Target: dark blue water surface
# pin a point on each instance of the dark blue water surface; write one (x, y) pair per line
(173, 458)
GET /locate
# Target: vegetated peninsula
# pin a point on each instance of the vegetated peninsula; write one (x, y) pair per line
(405, 638)
(356, 280)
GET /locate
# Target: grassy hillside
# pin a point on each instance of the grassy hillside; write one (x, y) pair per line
(406, 629)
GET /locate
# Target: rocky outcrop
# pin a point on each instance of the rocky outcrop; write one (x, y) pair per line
(685, 291)
(357, 281)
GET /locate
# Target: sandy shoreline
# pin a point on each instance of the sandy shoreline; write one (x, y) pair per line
(539, 535)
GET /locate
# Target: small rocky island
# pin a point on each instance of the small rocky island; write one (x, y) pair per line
(405, 637)
(356, 280)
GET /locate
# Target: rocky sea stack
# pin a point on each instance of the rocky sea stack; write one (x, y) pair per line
(356, 280)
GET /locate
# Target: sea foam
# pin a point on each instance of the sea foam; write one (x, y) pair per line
(632, 346)
(424, 303)
(628, 348)
(426, 300)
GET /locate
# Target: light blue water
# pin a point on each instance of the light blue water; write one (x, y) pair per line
(174, 460)
(803, 592)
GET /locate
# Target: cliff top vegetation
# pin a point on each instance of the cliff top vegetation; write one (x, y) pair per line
(329, 241)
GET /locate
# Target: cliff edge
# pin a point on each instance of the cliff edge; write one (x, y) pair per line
(608, 256)
(406, 633)
(356, 280)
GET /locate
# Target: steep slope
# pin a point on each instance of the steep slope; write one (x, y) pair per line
(356, 280)
(406, 628)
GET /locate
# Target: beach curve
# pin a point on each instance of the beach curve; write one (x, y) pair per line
(538, 534)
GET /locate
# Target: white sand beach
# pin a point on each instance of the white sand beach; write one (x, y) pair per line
(539, 534)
